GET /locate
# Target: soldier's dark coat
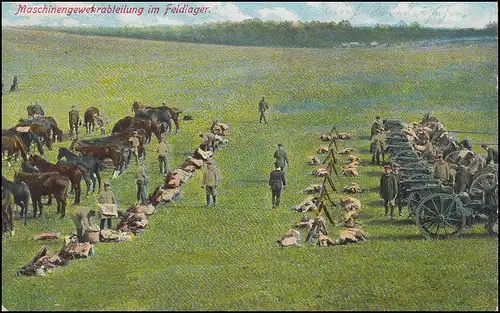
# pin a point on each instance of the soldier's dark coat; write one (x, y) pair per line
(388, 186)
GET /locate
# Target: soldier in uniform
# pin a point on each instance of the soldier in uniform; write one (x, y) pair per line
(399, 194)
(442, 171)
(427, 149)
(277, 183)
(492, 154)
(377, 125)
(134, 143)
(209, 140)
(142, 180)
(490, 200)
(378, 146)
(281, 158)
(74, 120)
(211, 180)
(460, 183)
(263, 107)
(388, 189)
(84, 219)
(108, 205)
(163, 150)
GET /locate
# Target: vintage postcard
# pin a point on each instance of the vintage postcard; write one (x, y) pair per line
(223, 156)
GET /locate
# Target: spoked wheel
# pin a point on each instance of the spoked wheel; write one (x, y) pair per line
(415, 198)
(452, 157)
(480, 182)
(440, 215)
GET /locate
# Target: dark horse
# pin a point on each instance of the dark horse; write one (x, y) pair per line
(130, 123)
(90, 119)
(46, 184)
(21, 194)
(7, 212)
(159, 115)
(14, 146)
(74, 172)
(27, 135)
(48, 123)
(91, 164)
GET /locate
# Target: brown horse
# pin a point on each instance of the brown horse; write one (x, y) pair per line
(14, 145)
(42, 133)
(112, 151)
(90, 120)
(7, 212)
(46, 184)
(129, 123)
(74, 172)
(141, 135)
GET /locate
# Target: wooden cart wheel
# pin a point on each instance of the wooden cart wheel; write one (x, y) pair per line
(414, 199)
(440, 215)
(452, 157)
(479, 182)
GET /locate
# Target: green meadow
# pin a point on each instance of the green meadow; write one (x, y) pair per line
(226, 257)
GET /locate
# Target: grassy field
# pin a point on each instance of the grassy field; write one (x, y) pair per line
(226, 258)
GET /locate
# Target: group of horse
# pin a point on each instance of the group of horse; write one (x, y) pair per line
(38, 177)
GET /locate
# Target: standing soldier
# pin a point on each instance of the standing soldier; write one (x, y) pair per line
(83, 218)
(442, 171)
(378, 146)
(142, 180)
(209, 141)
(211, 180)
(14, 84)
(492, 154)
(134, 142)
(277, 183)
(281, 158)
(74, 120)
(108, 205)
(388, 190)
(460, 183)
(163, 150)
(399, 194)
(377, 125)
(263, 107)
(490, 201)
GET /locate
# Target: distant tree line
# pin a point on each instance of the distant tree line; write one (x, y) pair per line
(254, 32)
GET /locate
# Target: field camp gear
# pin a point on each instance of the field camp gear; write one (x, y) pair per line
(309, 204)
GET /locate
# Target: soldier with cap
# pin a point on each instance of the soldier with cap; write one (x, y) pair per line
(211, 180)
(378, 146)
(208, 141)
(134, 144)
(281, 158)
(108, 205)
(142, 180)
(84, 220)
(492, 154)
(377, 125)
(263, 107)
(442, 170)
(388, 189)
(74, 120)
(163, 151)
(490, 200)
(277, 183)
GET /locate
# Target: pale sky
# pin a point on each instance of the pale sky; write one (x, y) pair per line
(427, 14)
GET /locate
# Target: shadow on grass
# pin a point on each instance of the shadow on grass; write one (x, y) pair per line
(403, 220)
(396, 238)
(363, 137)
(372, 174)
